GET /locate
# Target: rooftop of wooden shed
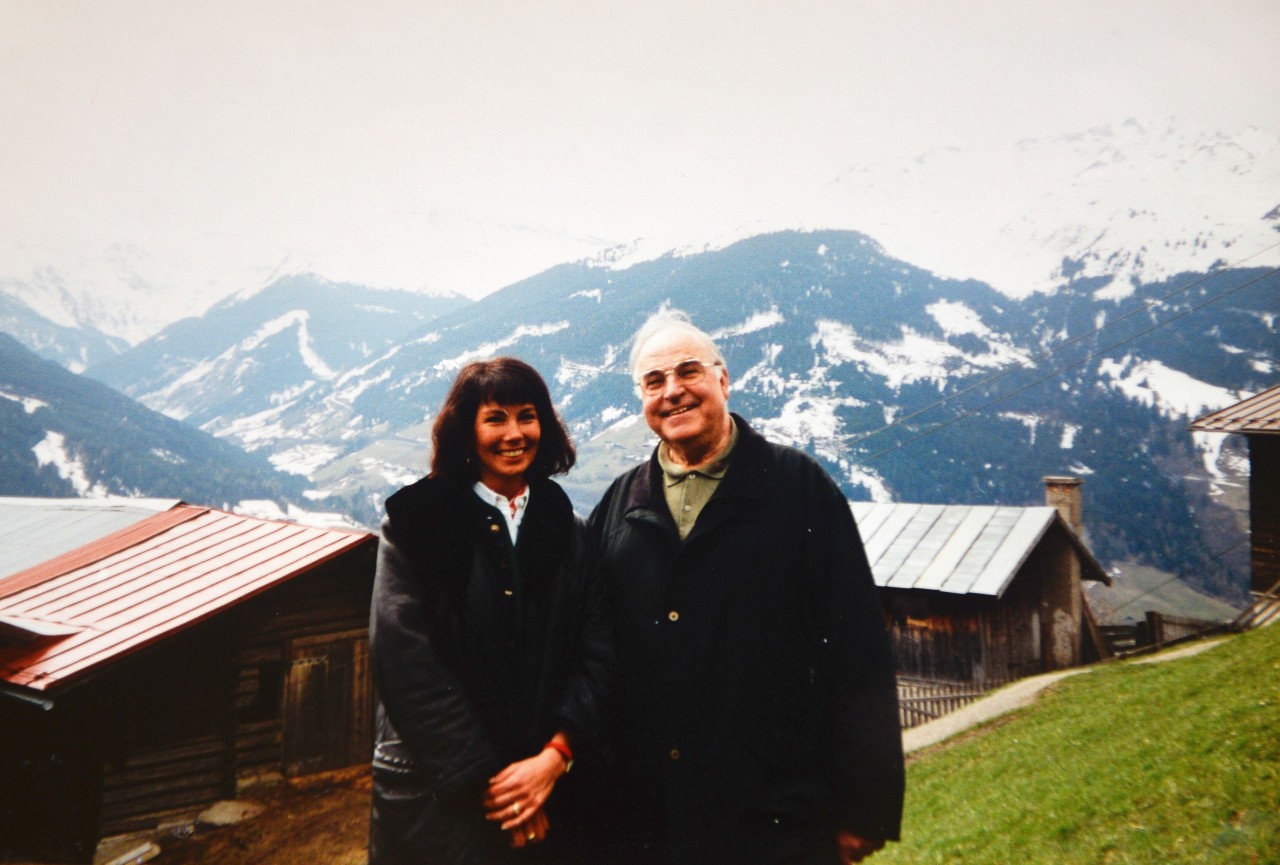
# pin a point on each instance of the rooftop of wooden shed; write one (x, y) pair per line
(960, 549)
(150, 577)
(1257, 414)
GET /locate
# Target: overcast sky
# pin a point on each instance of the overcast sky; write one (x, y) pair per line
(376, 140)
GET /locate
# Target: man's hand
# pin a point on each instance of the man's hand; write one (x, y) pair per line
(855, 848)
(516, 794)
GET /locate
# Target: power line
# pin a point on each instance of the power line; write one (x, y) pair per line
(1174, 578)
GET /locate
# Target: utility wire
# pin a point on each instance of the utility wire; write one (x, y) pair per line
(1174, 578)
(1054, 349)
(1054, 373)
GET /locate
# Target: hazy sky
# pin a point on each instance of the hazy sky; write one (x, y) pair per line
(376, 140)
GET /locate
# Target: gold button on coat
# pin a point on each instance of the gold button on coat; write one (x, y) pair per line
(673, 616)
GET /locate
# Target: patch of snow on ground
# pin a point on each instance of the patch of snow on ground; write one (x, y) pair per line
(29, 404)
(611, 414)
(860, 476)
(255, 430)
(304, 459)
(1117, 289)
(489, 349)
(764, 378)
(1069, 431)
(807, 419)
(52, 450)
(1210, 446)
(576, 375)
(1030, 421)
(758, 321)
(321, 519)
(591, 294)
(348, 395)
(912, 359)
(1171, 392)
(957, 319)
(1078, 468)
(310, 356)
(262, 509)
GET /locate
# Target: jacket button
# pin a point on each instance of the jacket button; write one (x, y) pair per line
(508, 592)
(675, 753)
(493, 527)
(673, 616)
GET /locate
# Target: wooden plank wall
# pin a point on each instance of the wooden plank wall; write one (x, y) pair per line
(330, 611)
(161, 783)
(1264, 510)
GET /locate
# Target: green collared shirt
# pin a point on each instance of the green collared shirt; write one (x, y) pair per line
(688, 490)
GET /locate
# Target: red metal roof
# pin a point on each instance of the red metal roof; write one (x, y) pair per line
(134, 587)
(1257, 414)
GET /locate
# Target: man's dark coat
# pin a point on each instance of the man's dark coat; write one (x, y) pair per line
(480, 651)
(758, 707)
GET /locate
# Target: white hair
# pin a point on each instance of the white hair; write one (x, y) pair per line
(670, 319)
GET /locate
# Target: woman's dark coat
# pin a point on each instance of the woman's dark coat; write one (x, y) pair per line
(758, 701)
(480, 652)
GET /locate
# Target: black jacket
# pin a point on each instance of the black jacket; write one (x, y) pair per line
(480, 651)
(758, 705)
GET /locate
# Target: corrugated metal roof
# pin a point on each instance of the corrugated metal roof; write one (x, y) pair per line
(962, 549)
(37, 530)
(177, 573)
(1257, 414)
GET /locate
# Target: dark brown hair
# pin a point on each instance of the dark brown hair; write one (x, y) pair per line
(502, 380)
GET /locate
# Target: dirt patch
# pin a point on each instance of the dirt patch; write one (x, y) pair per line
(322, 819)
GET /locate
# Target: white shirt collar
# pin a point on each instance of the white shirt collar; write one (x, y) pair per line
(512, 510)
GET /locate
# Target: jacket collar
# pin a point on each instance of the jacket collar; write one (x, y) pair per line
(747, 477)
(438, 521)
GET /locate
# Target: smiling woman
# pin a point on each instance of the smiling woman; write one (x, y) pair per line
(489, 642)
(506, 445)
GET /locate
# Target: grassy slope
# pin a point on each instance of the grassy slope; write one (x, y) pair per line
(1165, 763)
(1134, 763)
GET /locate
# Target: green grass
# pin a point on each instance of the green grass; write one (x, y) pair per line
(1164, 763)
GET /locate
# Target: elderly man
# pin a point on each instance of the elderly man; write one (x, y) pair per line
(757, 722)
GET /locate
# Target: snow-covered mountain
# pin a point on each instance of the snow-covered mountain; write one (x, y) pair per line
(63, 434)
(1138, 200)
(1059, 306)
(1133, 203)
(253, 354)
(907, 386)
(74, 347)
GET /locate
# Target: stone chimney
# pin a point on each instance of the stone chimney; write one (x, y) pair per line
(1063, 493)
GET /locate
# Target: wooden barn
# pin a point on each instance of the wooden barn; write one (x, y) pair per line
(1258, 420)
(154, 655)
(983, 595)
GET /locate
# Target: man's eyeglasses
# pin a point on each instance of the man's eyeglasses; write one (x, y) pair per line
(687, 372)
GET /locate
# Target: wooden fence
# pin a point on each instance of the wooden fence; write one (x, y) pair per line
(1156, 630)
(922, 700)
